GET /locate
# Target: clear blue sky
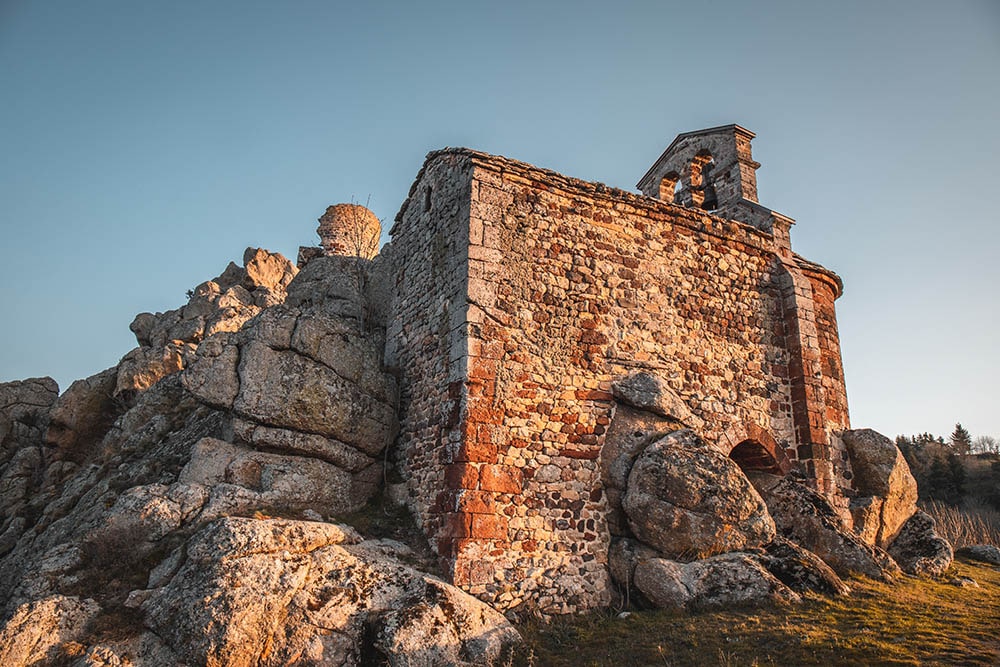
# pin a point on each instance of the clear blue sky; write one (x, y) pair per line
(143, 145)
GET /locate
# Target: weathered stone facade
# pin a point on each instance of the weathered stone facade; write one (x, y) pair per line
(521, 296)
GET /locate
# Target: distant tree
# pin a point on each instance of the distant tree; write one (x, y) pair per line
(939, 472)
(993, 495)
(961, 440)
(985, 444)
(945, 480)
(958, 476)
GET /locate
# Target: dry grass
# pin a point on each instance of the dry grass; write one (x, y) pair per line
(964, 526)
(917, 621)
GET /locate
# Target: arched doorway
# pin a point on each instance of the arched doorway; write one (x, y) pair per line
(751, 457)
(756, 450)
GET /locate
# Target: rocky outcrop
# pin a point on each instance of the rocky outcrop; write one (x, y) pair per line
(143, 450)
(887, 492)
(719, 582)
(235, 405)
(623, 557)
(285, 591)
(665, 584)
(629, 433)
(328, 285)
(984, 553)
(24, 418)
(39, 632)
(24, 408)
(167, 341)
(268, 480)
(919, 549)
(687, 501)
(807, 518)
(304, 385)
(81, 416)
(800, 569)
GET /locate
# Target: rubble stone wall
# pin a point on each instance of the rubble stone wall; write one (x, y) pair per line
(836, 416)
(426, 331)
(570, 286)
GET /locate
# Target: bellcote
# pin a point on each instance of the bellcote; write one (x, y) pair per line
(714, 170)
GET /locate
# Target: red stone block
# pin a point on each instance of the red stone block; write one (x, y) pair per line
(483, 369)
(593, 337)
(481, 389)
(455, 525)
(476, 502)
(587, 454)
(474, 451)
(500, 478)
(483, 414)
(469, 430)
(461, 476)
(484, 433)
(489, 526)
(593, 395)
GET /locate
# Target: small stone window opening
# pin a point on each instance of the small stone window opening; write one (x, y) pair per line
(752, 457)
(427, 199)
(702, 181)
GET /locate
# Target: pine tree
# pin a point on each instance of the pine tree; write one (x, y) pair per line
(961, 440)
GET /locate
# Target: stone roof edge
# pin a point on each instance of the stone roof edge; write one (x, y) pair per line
(684, 135)
(591, 188)
(831, 276)
(413, 186)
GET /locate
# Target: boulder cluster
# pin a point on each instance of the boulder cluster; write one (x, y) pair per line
(186, 506)
(692, 530)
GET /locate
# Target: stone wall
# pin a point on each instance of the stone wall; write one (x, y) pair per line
(836, 417)
(521, 296)
(426, 333)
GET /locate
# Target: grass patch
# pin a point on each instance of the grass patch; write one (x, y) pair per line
(917, 621)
